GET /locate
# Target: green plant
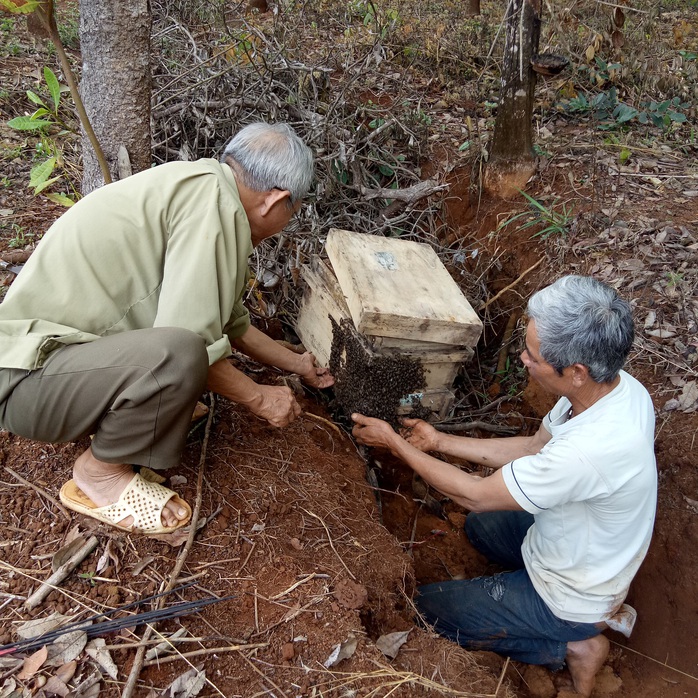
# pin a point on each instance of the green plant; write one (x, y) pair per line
(551, 222)
(69, 27)
(663, 114)
(89, 577)
(20, 237)
(611, 113)
(674, 279)
(45, 117)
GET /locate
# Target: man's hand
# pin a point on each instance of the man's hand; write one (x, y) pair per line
(373, 432)
(420, 434)
(276, 404)
(314, 375)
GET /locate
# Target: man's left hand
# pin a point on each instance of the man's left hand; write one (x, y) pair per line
(314, 375)
(373, 432)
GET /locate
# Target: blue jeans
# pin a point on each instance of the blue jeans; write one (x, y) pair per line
(502, 613)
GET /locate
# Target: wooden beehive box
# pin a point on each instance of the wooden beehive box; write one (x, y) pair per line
(402, 302)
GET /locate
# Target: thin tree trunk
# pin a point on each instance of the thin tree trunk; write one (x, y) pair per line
(116, 83)
(512, 160)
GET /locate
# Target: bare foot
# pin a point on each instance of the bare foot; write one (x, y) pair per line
(104, 482)
(584, 658)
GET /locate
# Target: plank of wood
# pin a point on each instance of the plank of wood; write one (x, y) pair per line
(399, 288)
(322, 298)
(437, 401)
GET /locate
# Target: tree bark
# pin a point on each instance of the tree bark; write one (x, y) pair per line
(116, 83)
(512, 159)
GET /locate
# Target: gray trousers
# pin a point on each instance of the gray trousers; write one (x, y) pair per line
(134, 391)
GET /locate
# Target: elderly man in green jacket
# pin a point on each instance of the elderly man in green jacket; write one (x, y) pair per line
(128, 310)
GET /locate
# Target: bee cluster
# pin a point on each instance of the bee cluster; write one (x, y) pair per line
(371, 383)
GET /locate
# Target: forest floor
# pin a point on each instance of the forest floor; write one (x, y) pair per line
(315, 558)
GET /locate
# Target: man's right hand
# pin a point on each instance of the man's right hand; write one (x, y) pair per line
(276, 404)
(420, 434)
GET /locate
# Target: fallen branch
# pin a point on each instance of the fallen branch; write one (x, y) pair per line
(409, 194)
(511, 285)
(61, 573)
(199, 653)
(130, 685)
(470, 426)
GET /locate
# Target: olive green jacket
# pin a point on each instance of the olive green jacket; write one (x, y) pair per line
(167, 247)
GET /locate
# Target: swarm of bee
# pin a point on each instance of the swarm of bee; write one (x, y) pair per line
(370, 383)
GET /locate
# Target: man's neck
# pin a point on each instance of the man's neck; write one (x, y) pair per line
(589, 394)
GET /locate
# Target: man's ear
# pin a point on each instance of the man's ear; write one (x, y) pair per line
(274, 197)
(580, 375)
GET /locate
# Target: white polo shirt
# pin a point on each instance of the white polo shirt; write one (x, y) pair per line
(593, 492)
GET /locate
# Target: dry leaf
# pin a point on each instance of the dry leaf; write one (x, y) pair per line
(174, 539)
(589, 53)
(33, 663)
(391, 643)
(97, 649)
(342, 651)
(67, 671)
(34, 628)
(661, 333)
(66, 648)
(89, 688)
(8, 688)
(72, 534)
(66, 552)
(140, 566)
(176, 480)
(167, 646)
(187, 685)
(688, 400)
(691, 503)
(110, 554)
(55, 685)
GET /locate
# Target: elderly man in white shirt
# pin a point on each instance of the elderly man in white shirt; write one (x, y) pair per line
(568, 511)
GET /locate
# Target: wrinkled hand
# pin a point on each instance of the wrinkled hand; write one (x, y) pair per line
(420, 434)
(276, 404)
(314, 375)
(372, 432)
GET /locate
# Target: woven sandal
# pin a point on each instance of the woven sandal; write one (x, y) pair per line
(142, 499)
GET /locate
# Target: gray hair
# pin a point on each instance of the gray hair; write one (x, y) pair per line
(271, 156)
(580, 320)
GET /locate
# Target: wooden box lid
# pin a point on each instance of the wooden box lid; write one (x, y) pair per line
(399, 288)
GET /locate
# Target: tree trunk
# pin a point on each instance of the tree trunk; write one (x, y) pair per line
(512, 160)
(116, 84)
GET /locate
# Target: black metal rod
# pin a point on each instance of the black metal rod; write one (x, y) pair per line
(109, 626)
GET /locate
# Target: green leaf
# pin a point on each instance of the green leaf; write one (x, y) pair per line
(53, 87)
(41, 172)
(45, 184)
(28, 7)
(42, 111)
(34, 98)
(464, 146)
(26, 123)
(676, 116)
(624, 112)
(61, 199)
(386, 170)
